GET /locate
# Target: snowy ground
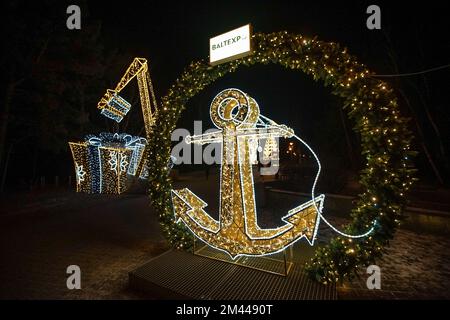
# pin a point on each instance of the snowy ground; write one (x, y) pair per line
(416, 266)
(108, 236)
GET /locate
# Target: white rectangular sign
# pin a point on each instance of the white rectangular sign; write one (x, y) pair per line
(231, 45)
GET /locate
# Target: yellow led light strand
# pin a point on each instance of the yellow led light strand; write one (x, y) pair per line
(316, 178)
(270, 151)
(237, 232)
(115, 107)
(320, 211)
(366, 101)
(114, 166)
(81, 165)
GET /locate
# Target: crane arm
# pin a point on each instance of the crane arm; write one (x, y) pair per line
(115, 107)
(138, 66)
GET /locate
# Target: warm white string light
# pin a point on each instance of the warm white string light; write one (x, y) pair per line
(98, 155)
(316, 179)
(237, 231)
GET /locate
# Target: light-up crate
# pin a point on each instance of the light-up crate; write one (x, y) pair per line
(116, 108)
(114, 162)
(83, 174)
(104, 163)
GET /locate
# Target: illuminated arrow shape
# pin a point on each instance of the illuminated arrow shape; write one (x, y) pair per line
(187, 203)
(306, 218)
(302, 222)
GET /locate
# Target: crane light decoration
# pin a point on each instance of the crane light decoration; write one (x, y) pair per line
(238, 118)
(116, 107)
(102, 164)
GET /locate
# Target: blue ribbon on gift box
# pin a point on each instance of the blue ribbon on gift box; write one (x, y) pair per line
(107, 139)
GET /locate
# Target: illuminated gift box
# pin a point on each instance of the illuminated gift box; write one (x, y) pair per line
(104, 163)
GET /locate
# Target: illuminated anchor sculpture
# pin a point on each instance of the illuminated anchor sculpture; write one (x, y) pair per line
(237, 232)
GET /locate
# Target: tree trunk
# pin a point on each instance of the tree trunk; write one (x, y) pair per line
(424, 98)
(430, 118)
(348, 141)
(392, 56)
(422, 139)
(34, 168)
(5, 169)
(5, 118)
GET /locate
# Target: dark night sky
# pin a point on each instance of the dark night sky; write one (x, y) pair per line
(171, 34)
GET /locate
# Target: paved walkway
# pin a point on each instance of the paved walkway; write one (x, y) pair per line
(106, 238)
(109, 236)
(415, 266)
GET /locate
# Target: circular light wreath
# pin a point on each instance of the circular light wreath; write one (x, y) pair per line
(370, 104)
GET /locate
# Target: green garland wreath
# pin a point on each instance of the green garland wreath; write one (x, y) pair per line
(370, 104)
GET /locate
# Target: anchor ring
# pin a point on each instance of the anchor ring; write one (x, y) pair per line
(232, 108)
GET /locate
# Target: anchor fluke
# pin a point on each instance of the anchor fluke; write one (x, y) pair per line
(305, 217)
(188, 205)
(180, 206)
(237, 231)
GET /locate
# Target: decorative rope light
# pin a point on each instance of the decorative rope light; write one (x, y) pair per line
(370, 104)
